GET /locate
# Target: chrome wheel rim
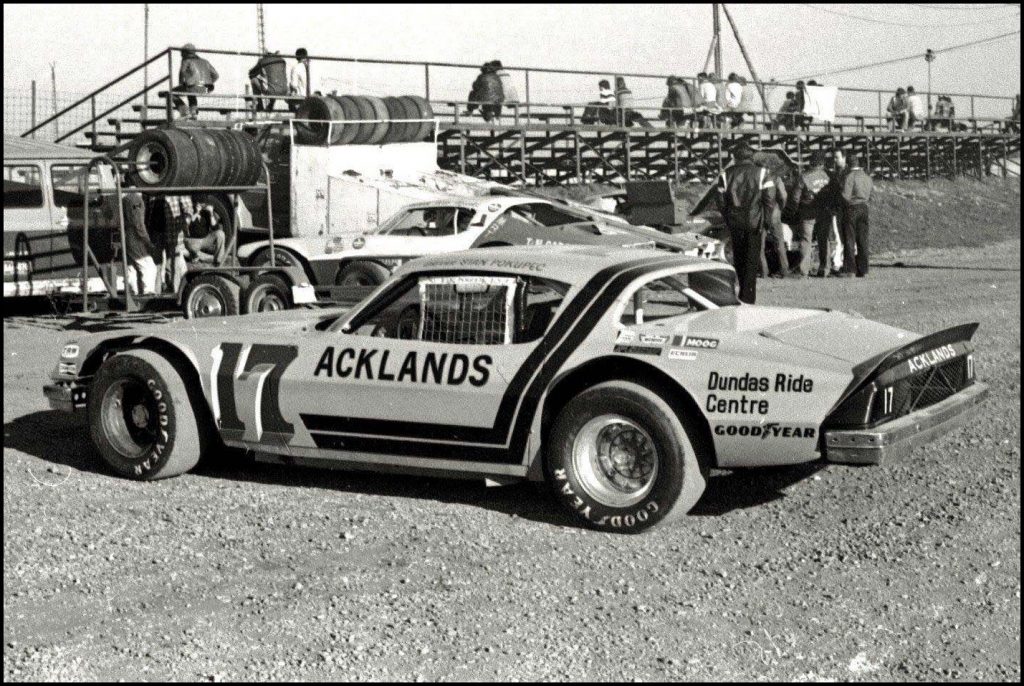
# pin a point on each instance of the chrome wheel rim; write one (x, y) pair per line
(267, 299)
(151, 163)
(615, 460)
(206, 301)
(129, 416)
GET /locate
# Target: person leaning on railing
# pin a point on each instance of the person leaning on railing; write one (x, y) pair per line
(487, 93)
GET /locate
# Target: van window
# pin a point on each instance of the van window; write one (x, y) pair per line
(22, 186)
(68, 182)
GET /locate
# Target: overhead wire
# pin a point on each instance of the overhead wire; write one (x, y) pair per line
(905, 24)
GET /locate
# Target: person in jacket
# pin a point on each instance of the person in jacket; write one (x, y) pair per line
(268, 77)
(747, 195)
(486, 93)
(196, 75)
(944, 115)
(510, 96)
(139, 248)
(625, 115)
(1014, 124)
(813, 221)
(775, 234)
(677, 107)
(897, 112)
(857, 186)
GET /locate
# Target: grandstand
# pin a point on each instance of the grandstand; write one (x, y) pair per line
(541, 140)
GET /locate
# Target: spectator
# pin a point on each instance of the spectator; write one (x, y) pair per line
(508, 89)
(139, 249)
(486, 93)
(300, 84)
(734, 100)
(196, 75)
(1014, 124)
(917, 113)
(831, 244)
(677, 108)
(803, 122)
(207, 240)
(602, 110)
(709, 108)
(268, 77)
(897, 111)
(775, 234)
(625, 114)
(605, 93)
(748, 196)
(786, 118)
(944, 115)
(813, 221)
(856, 194)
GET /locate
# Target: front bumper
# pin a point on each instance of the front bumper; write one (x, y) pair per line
(900, 436)
(66, 397)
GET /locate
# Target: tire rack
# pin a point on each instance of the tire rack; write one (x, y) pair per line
(133, 302)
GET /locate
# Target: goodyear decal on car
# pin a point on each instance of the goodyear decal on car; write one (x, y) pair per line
(771, 430)
(452, 369)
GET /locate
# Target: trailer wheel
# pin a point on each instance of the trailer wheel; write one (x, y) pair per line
(266, 293)
(210, 295)
(362, 274)
(141, 417)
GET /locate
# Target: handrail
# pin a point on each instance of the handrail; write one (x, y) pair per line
(96, 92)
(116, 107)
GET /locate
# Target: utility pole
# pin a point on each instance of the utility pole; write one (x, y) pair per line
(929, 57)
(53, 94)
(145, 58)
(717, 27)
(261, 35)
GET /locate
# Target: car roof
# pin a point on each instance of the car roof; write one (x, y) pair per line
(570, 264)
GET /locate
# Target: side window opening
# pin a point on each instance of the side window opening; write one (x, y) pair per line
(22, 186)
(659, 299)
(431, 222)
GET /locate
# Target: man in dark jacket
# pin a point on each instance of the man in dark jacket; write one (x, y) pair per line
(268, 77)
(813, 221)
(748, 197)
(139, 249)
(487, 93)
(196, 75)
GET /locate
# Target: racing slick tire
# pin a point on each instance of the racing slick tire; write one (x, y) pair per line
(621, 460)
(283, 257)
(141, 417)
(398, 130)
(208, 160)
(162, 157)
(210, 295)
(419, 108)
(380, 113)
(362, 274)
(266, 293)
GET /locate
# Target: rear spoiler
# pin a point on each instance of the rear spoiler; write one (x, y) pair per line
(869, 370)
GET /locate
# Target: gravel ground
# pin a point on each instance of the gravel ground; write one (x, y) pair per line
(906, 571)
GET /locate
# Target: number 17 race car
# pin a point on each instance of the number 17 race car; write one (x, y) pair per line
(619, 376)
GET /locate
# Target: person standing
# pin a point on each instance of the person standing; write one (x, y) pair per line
(139, 249)
(748, 196)
(897, 111)
(812, 220)
(775, 233)
(828, 229)
(268, 77)
(857, 188)
(917, 113)
(195, 76)
(299, 82)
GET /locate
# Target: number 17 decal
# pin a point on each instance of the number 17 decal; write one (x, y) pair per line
(246, 390)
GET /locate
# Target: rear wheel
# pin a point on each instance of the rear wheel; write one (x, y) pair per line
(210, 295)
(362, 274)
(141, 418)
(266, 293)
(620, 459)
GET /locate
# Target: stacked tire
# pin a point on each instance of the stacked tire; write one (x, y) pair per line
(363, 120)
(182, 157)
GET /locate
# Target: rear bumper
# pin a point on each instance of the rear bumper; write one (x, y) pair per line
(66, 397)
(895, 438)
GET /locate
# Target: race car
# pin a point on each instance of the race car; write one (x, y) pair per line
(456, 223)
(620, 377)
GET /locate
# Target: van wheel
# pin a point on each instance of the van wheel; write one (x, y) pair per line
(141, 419)
(362, 274)
(210, 295)
(620, 459)
(267, 293)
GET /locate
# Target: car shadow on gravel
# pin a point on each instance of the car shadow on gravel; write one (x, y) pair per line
(62, 439)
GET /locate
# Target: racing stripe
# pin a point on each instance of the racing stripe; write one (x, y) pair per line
(564, 336)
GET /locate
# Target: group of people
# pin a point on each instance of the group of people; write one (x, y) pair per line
(709, 103)
(492, 89)
(826, 203)
(184, 232)
(907, 109)
(269, 78)
(791, 115)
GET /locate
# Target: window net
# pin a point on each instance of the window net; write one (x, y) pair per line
(472, 310)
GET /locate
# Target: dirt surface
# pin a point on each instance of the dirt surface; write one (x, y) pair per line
(910, 570)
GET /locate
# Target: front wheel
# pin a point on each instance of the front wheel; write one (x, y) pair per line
(141, 418)
(362, 274)
(620, 459)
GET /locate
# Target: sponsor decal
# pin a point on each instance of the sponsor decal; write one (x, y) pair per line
(451, 369)
(696, 342)
(530, 240)
(931, 358)
(637, 350)
(653, 338)
(626, 336)
(750, 383)
(70, 351)
(766, 431)
(687, 355)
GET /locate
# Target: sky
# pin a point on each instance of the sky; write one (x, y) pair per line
(87, 44)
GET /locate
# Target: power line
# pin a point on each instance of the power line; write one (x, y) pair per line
(968, 8)
(904, 24)
(915, 56)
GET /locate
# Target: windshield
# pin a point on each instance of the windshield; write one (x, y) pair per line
(427, 221)
(679, 294)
